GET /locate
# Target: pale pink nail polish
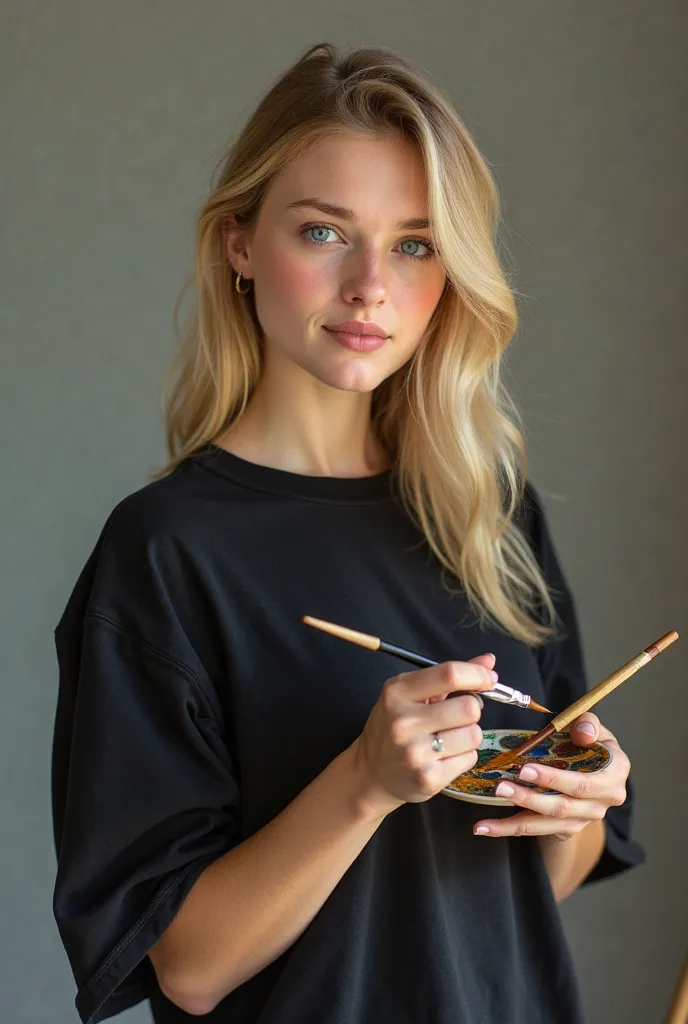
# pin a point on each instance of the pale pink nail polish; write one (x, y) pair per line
(587, 727)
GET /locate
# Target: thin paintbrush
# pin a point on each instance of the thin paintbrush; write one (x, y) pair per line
(584, 703)
(503, 694)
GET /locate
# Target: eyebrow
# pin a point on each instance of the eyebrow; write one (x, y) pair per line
(344, 213)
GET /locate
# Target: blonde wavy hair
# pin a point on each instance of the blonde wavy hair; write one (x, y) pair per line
(452, 432)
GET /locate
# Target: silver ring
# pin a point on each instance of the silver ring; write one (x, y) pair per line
(437, 744)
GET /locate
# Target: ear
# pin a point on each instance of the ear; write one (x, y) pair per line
(236, 244)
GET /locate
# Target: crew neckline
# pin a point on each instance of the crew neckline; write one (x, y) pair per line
(295, 485)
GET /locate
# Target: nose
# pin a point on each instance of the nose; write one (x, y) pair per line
(365, 279)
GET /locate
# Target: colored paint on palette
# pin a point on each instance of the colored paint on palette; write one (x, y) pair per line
(478, 786)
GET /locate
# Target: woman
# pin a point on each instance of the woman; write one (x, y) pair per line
(248, 814)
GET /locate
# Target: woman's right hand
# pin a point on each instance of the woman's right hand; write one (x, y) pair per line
(393, 755)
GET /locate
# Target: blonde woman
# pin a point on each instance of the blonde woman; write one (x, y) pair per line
(248, 813)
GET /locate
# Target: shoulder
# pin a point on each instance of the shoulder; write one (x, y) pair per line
(165, 518)
(152, 511)
(137, 596)
(143, 556)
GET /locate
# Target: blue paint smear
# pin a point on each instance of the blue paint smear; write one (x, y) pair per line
(540, 751)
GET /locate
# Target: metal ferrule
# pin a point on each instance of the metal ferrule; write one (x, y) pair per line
(507, 695)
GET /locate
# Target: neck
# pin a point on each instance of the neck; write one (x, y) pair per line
(296, 423)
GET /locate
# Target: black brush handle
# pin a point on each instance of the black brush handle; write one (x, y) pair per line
(400, 652)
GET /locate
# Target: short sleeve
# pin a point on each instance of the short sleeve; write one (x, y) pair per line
(562, 667)
(145, 797)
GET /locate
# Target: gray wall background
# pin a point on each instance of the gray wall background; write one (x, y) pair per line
(113, 116)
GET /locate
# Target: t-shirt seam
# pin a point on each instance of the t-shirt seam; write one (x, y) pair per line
(127, 939)
(164, 655)
(318, 500)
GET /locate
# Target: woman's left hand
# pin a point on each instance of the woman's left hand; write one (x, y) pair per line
(579, 799)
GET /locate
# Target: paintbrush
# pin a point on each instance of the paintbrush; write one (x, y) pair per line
(584, 703)
(503, 694)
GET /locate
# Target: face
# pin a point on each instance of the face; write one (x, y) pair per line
(315, 268)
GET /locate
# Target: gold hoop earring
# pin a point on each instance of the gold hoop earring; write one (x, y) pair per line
(242, 291)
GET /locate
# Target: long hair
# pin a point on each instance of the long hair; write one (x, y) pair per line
(445, 418)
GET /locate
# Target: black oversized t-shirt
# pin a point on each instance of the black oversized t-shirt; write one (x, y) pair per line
(194, 705)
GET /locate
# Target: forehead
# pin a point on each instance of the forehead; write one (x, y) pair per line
(378, 177)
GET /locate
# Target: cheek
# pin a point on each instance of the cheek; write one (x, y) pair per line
(414, 304)
(419, 301)
(293, 283)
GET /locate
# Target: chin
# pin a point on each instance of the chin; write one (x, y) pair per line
(356, 376)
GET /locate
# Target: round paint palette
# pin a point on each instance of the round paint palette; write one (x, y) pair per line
(477, 785)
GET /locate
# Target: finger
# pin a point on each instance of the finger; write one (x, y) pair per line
(418, 724)
(486, 660)
(585, 730)
(461, 741)
(444, 678)
(552, 805)
(449, 714)
(605, 736)
(456, 741)
(607, 784)
(455, 694)
(526, 823)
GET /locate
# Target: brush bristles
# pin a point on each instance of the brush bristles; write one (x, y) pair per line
(509, 757)
(534, 706)
(502, 761)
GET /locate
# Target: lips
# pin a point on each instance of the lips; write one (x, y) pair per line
(367, 327)
(357, 342)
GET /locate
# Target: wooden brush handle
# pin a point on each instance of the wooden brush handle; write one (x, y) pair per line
(584, 703)
(589, 699)
(344, 633)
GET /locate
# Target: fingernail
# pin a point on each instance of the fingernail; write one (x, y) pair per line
(481, 830)
(587, 727)
(494, 675)
(528, 773)
(504, 789)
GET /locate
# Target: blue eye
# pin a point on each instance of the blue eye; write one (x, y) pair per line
(318, 227)
(305, 233)
(419, 241)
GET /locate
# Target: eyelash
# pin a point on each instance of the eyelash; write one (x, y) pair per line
(328, 227)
